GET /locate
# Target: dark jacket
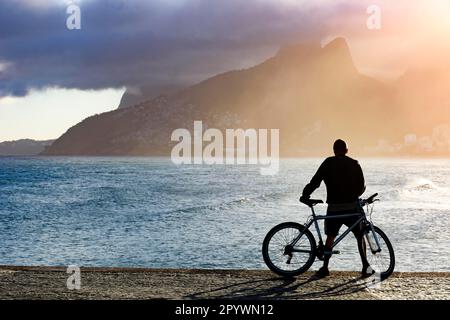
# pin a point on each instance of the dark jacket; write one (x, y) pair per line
(343, 178)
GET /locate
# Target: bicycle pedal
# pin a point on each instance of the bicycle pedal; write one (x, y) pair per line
(332, 252)
(289, 259)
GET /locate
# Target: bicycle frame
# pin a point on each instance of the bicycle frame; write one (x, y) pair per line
(316, 218)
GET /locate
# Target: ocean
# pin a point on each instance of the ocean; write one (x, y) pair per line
(148, 212)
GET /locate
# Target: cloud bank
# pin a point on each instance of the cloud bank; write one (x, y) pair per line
(126, 43)
(172, 42)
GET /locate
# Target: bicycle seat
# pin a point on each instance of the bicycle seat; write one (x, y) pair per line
(310, 202)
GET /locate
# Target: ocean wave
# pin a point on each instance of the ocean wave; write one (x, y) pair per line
(421, 186)
(225, 205)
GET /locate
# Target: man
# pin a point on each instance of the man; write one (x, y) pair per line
(344, 181)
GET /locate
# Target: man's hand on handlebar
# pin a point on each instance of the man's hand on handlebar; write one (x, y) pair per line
(309, 202)
(303, 199)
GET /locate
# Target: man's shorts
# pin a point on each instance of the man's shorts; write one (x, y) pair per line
(332, 226)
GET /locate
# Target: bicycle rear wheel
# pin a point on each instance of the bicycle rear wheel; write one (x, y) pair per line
(382, 261)
(284, 259)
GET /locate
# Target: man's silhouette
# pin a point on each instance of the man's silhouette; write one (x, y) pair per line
(344, 181)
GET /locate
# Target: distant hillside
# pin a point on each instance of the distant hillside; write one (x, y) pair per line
(312, 94)
(24, 147)
(135, 95)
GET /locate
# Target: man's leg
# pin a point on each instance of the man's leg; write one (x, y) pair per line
(323, 272)
(332, 227)
(328, 247)
(362, 248)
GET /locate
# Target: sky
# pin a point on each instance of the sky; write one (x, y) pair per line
(46, 114)
(52, 77)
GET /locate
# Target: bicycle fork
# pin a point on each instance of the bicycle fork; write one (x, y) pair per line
(374, 244)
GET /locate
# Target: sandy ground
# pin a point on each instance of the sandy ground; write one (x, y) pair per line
(119, 283)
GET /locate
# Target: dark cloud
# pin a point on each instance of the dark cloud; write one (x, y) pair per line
(132, 42)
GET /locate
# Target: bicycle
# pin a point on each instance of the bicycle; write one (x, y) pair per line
(289, 249)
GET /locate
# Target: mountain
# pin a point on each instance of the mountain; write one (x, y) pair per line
(313, 94)
(138, 94)
(24, 147)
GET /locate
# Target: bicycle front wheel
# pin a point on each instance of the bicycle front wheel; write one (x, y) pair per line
(286, 259)
(381, 258)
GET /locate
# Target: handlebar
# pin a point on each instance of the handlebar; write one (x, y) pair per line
(313, 202)
(370, 199)
(310, 202)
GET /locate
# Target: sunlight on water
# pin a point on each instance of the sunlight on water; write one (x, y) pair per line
(148, 212)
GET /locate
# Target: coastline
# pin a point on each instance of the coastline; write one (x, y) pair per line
(50, 283)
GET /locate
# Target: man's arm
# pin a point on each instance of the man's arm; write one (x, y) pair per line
(360, 183)
(315, 182)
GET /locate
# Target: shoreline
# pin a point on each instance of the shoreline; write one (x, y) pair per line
(110, 283)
